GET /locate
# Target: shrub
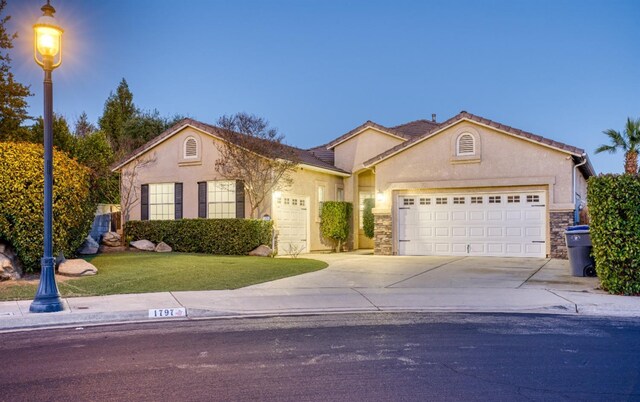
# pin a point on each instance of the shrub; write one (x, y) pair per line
(22, 202)
(614, 214)
(335, 219)
(367, 217)
(211, 236)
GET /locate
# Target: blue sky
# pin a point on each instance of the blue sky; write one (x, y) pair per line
(563, 69)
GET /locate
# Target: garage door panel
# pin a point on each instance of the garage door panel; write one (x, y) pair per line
(291, 220)
(475, 223)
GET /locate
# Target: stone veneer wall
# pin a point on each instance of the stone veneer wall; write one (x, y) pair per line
(382, 235)
(559, 220)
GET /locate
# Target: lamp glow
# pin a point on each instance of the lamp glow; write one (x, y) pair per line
(47, 39)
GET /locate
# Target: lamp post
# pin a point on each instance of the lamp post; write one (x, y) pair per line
(47, 53)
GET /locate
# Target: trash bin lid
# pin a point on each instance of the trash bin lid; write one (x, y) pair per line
(579, 227)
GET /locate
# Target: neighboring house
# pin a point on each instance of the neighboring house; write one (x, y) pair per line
(466, 186)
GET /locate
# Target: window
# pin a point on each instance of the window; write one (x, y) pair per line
(441, 200)
(512, 199)
(294, 201)
(161, 201)
(408, 201)
(221, 197)
(363, 195)
(495, 199)
(425, 201)
(466, 145)
(190, 148)
(476, 200)
(458, 200)
(302, 203)
(533, 198)
(339, 194)
(321, 199)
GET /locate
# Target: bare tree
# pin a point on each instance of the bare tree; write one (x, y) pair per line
(129, 186)
(253, 152)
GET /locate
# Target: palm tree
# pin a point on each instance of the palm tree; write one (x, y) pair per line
(628, 141)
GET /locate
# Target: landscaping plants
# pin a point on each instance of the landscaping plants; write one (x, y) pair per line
(335, 219)
(614, 215)
(21, 202)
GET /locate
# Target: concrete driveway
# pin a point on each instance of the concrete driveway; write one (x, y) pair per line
(357, 270)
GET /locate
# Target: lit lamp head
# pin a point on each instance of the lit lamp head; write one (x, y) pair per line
(47, 50)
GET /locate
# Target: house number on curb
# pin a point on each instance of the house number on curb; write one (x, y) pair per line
(167, 312)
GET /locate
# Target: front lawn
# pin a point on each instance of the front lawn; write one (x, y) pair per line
(135, 272)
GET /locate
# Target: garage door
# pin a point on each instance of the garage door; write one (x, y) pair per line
(489, 224)
(291, 222)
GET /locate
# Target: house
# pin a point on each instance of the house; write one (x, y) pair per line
(465, 186)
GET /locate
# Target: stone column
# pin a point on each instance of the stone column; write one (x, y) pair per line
(383, 241)
(558, 223)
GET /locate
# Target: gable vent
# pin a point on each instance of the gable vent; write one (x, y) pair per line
(466, 145)
(190, 148)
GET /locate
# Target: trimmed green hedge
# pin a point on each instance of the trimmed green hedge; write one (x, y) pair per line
(335, 222)
(614, 216)
(211, 236)
(368, 221)
(22, 202)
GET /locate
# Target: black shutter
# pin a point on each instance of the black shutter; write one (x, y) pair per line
(144, 202)
(239, 199)
(202, 199)
(178, 200)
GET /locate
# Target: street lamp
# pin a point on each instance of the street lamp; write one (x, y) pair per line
(47, 53)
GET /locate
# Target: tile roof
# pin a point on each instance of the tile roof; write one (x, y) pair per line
(302, 156)
(481, 120)
(321, 152)
(416, 128)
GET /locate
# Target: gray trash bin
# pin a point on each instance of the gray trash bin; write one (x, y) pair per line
(579, 246)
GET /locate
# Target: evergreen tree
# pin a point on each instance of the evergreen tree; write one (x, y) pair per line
(13, 103)
(62, 137)
(83, 126)
(118, 110)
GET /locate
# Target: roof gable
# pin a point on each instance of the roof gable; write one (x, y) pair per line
(465, 116)
(363, 127)
(303, 156)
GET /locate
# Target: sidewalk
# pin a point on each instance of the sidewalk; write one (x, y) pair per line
(290, 297)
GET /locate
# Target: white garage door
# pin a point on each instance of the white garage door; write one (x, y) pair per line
(489, 224)
(291, 219)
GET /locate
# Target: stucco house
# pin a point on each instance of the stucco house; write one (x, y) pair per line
(465, 186)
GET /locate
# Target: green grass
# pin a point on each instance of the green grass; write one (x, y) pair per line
(120, 273)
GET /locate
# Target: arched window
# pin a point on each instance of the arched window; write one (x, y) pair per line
(466, 145)
(190, 148)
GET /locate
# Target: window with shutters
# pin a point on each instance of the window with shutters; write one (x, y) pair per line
(221, 199)
(162, 201)
(190, 148)
(466, 145)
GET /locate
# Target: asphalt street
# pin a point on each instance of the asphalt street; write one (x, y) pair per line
(373, 357)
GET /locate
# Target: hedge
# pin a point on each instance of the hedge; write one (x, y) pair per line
(22, 202)
(614, 216)
(335, 219)
(211, 236)
(368, 221)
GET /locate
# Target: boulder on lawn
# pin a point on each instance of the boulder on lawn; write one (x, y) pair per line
(144, 245)
(261, 251)
(111, 239)
(76, 267)
(89, 246)
(163, 247)
(10, 267)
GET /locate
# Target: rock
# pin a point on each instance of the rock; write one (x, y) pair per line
(111, 239)
(89, 246)
(145, 245)
(261, 251)
(10, 267)
(77, 267)
(163, 247)
(107, 249)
